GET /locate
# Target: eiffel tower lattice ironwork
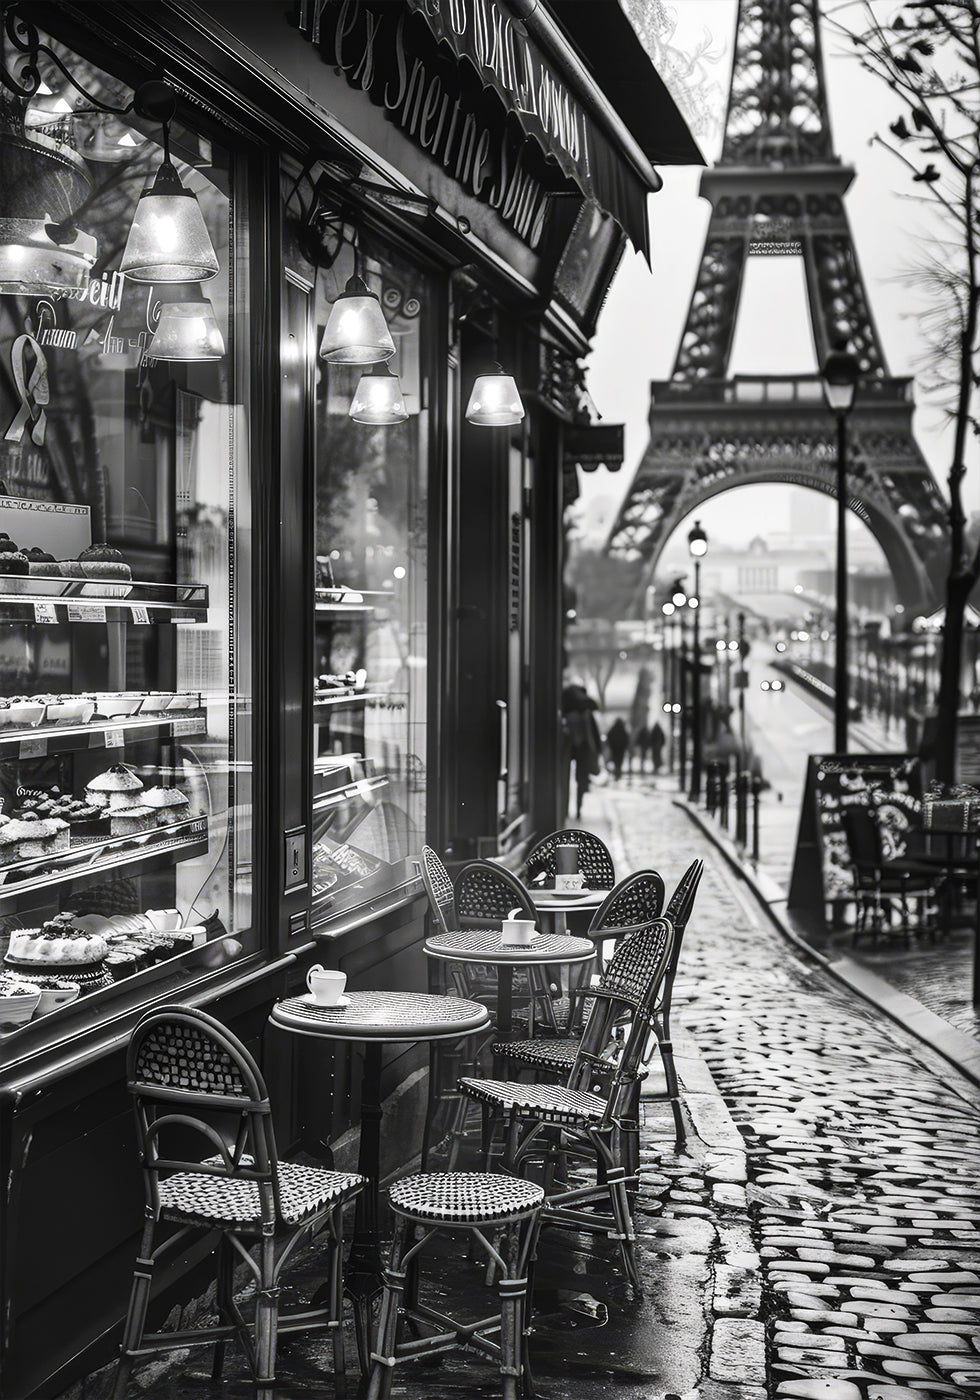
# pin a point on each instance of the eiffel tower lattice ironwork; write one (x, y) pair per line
(778, 189)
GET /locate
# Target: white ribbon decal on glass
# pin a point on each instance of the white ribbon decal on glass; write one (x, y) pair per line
(32, 389)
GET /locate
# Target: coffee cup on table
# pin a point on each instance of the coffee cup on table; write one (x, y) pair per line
(568, 883)
(566, 858)
(515, 931)
(326, 985)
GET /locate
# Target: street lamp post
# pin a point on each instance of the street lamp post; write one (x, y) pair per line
(680, 601)
(697, 544)
(742, 682)
(840, 376)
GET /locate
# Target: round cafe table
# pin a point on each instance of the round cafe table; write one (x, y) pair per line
(560, 903)
(375, 1019)
(485, 947)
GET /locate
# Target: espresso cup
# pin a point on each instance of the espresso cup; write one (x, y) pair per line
(516, 931)
(326, 985)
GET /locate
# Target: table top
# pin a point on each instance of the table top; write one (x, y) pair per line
(485, 946)
(388, 1016)
(565, 901)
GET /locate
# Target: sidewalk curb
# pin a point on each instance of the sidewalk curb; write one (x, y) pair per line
(958, 1049)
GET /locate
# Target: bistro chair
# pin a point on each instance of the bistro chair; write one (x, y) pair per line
(485, 894)
(594, 859)
(501, 1214)
(884, 889)
(636, 900)
(208, 1152)
(589, 1117)
(678, 911)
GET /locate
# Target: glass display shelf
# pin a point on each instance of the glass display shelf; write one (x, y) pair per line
(50, 599)
(149, 850)
(42, 740)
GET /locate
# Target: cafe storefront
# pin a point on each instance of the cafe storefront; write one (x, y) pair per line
(294, 300)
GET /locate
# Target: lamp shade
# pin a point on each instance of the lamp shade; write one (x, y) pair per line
(494, 401)
(186, 330)
(697, 541)
(168, 240)
(356, 332)
(378, 398)
(840, 376)
(43, 181)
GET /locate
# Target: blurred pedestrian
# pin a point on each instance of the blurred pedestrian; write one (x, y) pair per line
(657, 740)
(581, 742)
(617, 744)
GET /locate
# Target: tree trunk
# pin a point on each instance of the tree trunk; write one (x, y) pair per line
(958, 587)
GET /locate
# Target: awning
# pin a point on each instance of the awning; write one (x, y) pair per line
(591, 446)
(519, 52)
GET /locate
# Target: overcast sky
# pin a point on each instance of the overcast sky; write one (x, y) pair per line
(645, 311)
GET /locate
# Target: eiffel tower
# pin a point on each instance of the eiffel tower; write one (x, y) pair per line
(778, 190)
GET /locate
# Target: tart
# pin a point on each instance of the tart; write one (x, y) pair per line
(57, 941)
(170, 804)
(102, 561)
(14, 562)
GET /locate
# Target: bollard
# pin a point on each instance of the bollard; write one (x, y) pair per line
(723, 797)
(741, 796)
(712, 775)
(756, 793)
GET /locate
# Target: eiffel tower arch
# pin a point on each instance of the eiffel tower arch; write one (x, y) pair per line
(778, 190)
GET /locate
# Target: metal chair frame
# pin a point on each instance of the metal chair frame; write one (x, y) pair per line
(880, 884)
(591, 1116)
(194, 1083)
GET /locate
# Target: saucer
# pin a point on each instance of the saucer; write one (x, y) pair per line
(524, 943)
(568, 894)
(308, 999)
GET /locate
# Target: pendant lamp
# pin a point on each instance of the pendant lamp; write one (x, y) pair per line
(494, 401)
(378, 398)
(43, 180)
(186, 330)
(168, 240)
(356, 332)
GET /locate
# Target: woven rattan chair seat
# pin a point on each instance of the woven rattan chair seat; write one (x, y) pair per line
(228, 1202)
(465, 1198)
(552, 1053)
(552, 1103)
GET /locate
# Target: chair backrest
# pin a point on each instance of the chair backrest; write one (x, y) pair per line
(635, 900)
(487, 892)
(863, 837)
(201, 1106)
(629, 987)
(439, 888)
(594, 860)
(678, 911)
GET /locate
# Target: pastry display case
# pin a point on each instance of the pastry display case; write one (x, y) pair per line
(125, 665)
(369, 662)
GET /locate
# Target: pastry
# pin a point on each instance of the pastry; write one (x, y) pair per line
(7, 545)
(119, 778)
(102, 561)
(132, 821)
(9, 844)
(39, 561)
(170, 804)
(57, 941)
(120, 801)
(13, 562)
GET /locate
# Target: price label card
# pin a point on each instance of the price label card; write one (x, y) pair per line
(139, 614)
(32, 748)
(114, 738)
(188, 726)
(86, 612)
(45, 612)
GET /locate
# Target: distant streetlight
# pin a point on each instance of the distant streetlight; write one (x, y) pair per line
(840, 377)
(697, 544)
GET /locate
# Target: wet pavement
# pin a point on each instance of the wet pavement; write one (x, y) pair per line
(818, 1236)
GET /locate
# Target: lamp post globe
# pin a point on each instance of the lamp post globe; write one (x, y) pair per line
(839, 377)
(697, 544)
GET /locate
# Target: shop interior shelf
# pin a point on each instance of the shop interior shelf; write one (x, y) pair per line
(151, 850)
(326, 699)
(346, 600)
(109, 734)
(92, 600)
(364, 789)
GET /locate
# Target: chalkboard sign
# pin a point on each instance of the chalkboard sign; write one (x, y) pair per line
(968, 749)
(890, 784)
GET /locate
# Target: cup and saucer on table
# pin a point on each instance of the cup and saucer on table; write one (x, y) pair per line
(571, 883)
(326, 987)
(516, 932)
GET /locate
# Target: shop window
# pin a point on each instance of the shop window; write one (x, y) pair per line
(125, 558)
(371, 528)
